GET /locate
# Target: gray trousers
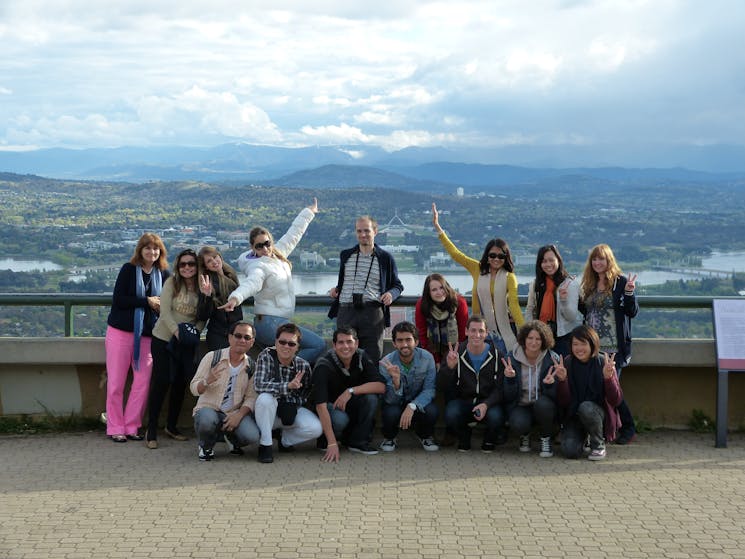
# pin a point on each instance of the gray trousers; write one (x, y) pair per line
(587, 422)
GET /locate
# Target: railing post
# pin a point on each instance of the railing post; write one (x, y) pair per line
(68, 319)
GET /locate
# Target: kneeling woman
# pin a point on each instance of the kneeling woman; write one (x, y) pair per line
(528, 398)
(587, 389)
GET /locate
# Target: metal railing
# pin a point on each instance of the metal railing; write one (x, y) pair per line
(70, 300)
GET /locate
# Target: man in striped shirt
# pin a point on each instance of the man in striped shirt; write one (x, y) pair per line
(368, 283)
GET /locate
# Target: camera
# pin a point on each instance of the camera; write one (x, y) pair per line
(357, 300)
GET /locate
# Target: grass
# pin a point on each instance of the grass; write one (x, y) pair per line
(47, 423)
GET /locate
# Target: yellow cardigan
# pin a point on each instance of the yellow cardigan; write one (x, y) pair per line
(472, 265)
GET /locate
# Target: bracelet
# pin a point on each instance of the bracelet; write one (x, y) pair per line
(332, 444)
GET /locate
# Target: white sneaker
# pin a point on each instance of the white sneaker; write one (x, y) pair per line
(546, 451)
(525, 443)
(429, 445)
(597, 454)
(388, 445)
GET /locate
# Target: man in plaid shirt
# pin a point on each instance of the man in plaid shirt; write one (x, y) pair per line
(283, 383)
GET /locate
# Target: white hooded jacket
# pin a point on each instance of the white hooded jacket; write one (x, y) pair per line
(268, 279)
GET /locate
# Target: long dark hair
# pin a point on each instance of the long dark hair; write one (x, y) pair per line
(540, 276)
(178, 281)
(499, 243)
(451, 296)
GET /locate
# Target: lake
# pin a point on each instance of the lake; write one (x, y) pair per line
(17, 265)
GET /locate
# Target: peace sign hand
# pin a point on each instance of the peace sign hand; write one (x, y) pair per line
(609, 365)
(631, 283)
(393, 370)
(205, 285)
(452, 357)
(509, 370)
(550, 376)
(558, 371)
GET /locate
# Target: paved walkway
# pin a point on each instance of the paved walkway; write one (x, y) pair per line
(669, 495)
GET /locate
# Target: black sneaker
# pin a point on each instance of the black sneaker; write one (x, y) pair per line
(321, 443)
(265, 454)
(487, 447)
(206, 454)
(363, 449)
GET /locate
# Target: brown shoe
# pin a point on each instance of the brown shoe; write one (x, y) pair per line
(152, 445)
(175, 434)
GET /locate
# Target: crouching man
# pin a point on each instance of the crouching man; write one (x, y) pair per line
(410, 389)
(224, 387)
(283, 383)
(346, 388)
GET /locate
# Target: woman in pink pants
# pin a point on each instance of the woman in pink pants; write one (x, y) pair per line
(134, 310)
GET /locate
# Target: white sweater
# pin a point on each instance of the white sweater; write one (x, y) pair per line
(268, 279)
(568, 316)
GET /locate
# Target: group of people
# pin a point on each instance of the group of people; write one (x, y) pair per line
(555, 370)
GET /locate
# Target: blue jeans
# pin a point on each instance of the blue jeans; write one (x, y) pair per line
(208, 427)
(355, 425)
(458, 416)
(311, 344)
(541, 413)
(424, 423)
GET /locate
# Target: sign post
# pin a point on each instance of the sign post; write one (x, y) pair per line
(729, 333)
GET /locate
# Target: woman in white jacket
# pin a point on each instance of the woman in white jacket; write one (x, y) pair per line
(269, 280)
(553, 297)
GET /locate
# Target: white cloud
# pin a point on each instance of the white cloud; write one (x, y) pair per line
(389, 73)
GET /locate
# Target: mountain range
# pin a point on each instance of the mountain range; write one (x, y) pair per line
(417, 169)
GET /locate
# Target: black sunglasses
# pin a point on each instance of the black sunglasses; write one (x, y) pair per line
(187, 264)
(287, 343)
(265, 244)
(499, 255)
(246, 337)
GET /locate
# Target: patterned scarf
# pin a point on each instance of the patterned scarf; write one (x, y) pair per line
(156, 284)
(435, 330)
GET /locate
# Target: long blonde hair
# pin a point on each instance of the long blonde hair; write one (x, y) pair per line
(255, 232)
(590, 277)
(225, 282)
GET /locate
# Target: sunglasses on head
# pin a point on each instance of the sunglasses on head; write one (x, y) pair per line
(288, 343)
(187, 264)
(246, 337)
(265, 244)
(499, 255)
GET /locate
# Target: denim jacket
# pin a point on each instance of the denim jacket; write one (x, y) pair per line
(417, 385)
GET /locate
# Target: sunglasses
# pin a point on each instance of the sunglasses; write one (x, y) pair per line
(187, 264)
(243, 337)
(265, 244)
(288, 343)
(499, 255)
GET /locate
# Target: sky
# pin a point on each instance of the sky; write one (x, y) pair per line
(392, 74)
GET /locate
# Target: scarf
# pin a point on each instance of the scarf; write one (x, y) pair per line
(435, 330)
(344, 370)
(548, 303)
(156, 284)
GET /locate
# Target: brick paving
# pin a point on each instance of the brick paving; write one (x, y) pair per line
(669, 495)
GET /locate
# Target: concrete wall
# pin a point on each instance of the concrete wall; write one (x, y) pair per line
(666, 381)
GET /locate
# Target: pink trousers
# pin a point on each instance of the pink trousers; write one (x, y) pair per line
(121, 419)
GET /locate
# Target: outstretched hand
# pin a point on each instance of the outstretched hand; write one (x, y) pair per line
(314, 206)
(436, 218)
(230, 305)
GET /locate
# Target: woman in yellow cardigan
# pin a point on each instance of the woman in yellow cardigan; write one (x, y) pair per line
(494, 294)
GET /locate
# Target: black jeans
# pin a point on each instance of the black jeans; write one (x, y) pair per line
(423, 422)
(172, 369)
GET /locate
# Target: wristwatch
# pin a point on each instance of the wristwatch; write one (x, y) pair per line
(351, 391)
(412, 405)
